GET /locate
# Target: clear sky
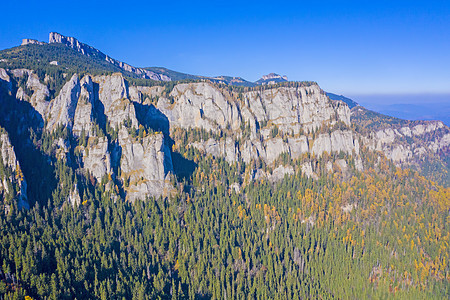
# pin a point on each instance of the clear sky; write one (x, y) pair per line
(348, 47)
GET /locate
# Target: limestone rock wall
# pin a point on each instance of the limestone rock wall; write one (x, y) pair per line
(294, 111)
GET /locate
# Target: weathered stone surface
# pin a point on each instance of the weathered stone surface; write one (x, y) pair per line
(62, 148)
(200, 105)
(335, 142)
(396, 145)
(279, 173)
(145, 165)
(7, 152)
(424, 128)
(298, 146)
(307, 170)
(40, 92)
(274, 147)
(113, 94)
(96, 157)
(342, 165)
(292, 110)
(61, 110)
(5, 80)
(84, 114)
(40, 97)
(74, 197)
(31, 41)
(251, 150)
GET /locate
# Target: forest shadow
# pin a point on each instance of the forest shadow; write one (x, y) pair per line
(152, 117)
(19, 118)
(183, 167)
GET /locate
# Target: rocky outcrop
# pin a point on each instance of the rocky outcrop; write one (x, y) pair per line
(84, 113)
(146, 165)
(290, 111)
(307, 170)
(114, 97)
(61, 110)
(93, 109)
(200, 105)
(71, 42)
(337, 141)
(263, 123)
(406, 144)
(281, 171)
(7, 151)
(31, 41)
(271, 78)
(38, 93)
(96, 157)
(295, 109)
(74, 197)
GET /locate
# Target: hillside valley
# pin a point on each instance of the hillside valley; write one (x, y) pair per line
(127, 182)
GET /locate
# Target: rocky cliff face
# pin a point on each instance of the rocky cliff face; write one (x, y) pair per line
(145, 165)
(405, 144)
(422, 145)
(257, 124)
(123, 133)
(279, 120)
(31, 41)
(83, 120)
(93, 109)
(61, 110)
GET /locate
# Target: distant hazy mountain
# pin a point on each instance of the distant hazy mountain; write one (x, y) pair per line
(429, 111)
(411, 107)
(349, 101)
(271, 78)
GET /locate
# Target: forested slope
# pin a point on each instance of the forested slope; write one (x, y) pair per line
(141, 189)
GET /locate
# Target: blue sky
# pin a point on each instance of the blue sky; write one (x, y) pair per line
(348, 47)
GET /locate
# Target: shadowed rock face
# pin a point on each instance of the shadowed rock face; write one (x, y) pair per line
(9, 160)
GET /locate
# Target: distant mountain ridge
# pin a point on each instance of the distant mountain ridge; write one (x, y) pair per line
(87, 50)
(349, 101)
(104, 63)
(153, 73)
(271, 78)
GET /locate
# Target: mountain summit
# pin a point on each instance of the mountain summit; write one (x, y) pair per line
(271, 78)
(73, 43)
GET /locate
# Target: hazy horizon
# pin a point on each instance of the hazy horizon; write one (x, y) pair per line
(408, 106)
